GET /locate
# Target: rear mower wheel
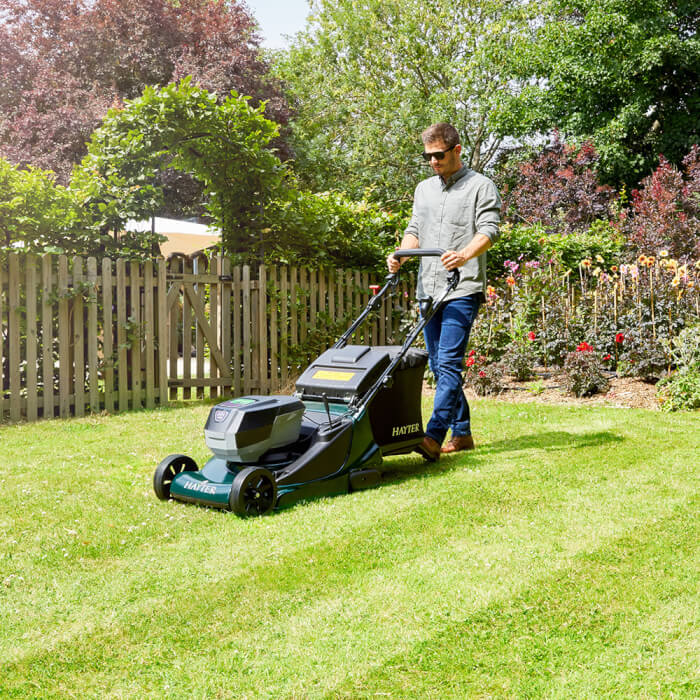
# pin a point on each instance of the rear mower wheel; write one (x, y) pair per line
(167, 470)
(253, 492)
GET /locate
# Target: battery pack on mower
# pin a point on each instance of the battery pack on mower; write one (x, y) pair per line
(243, 429)
(342, 373)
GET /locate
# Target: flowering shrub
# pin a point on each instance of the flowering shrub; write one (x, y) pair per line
(583, 372)
(520, 356)
(484, 378)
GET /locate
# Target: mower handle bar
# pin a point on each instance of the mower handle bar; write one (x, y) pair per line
(418, 252)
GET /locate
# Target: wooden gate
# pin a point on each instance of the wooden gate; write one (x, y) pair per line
(243, 330)
(199, 321)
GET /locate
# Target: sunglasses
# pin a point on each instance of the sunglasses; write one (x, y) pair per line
(438, 155)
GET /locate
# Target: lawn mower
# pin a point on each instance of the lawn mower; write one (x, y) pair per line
(352, 406)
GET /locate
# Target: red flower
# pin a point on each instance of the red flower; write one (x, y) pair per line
(619, 337)
(472, 353)
(482, 373)
(531, 335)
(471, 361)
(583, 347)
(608, 357)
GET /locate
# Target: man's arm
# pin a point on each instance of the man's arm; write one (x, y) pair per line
(409, 240)
(452, 259)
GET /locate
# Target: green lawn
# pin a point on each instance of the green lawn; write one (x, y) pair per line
(560, 559)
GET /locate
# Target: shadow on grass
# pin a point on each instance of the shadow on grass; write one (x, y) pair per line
(416, 467)
(559, 439)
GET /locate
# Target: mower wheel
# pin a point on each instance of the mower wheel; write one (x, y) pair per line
(253, 492)
(167, 470)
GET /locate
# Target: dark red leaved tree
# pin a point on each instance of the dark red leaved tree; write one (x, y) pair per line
(558, 188)
(63, 63)
(665, 211)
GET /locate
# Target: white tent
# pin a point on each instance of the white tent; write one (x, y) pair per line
(182, 236)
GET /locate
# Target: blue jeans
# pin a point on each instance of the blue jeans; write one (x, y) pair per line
(446, 337)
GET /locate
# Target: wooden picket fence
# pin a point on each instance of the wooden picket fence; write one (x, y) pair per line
(81, 335)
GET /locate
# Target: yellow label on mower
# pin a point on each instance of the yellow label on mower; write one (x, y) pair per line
(333, 375)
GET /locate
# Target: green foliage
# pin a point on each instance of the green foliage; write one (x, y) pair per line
(224, 144)
(623, 73)
(327, 229)
(39, 216)
(367, 78)
(680, 391)
(601, 243)
(253, 197)
(684, 349)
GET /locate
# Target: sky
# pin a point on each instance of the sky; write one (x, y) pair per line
(278, 17)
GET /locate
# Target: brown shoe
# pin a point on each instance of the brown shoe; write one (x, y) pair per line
(430, 449)
(457, 444)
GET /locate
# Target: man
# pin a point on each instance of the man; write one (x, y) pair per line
(457, 210)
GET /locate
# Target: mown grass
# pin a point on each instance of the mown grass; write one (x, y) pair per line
(560, 559)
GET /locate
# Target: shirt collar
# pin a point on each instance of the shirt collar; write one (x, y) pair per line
(446, 184)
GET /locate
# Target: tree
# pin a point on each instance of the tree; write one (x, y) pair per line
(558, 188)
(368, 77)
(63, 63)
(665, 212)
(623, 73)
(225, 145)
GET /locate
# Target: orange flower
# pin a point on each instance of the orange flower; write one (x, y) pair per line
(510, 281)
(642, 259)
(650, 261)
(613, 268)
(586, 263)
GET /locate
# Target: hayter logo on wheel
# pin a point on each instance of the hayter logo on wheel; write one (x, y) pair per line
(400, 430)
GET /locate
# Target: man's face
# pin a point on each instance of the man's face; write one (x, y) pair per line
(450, 164)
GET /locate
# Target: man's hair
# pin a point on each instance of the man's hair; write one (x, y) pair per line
(441, 132)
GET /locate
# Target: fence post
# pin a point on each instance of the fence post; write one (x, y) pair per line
(262, 329)
(78, 331)
(32, 354)
(92, 336)
(13, 312)
(108, 333)
(64, 354)
(48, 368)
(122, 355)
(163, 344)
